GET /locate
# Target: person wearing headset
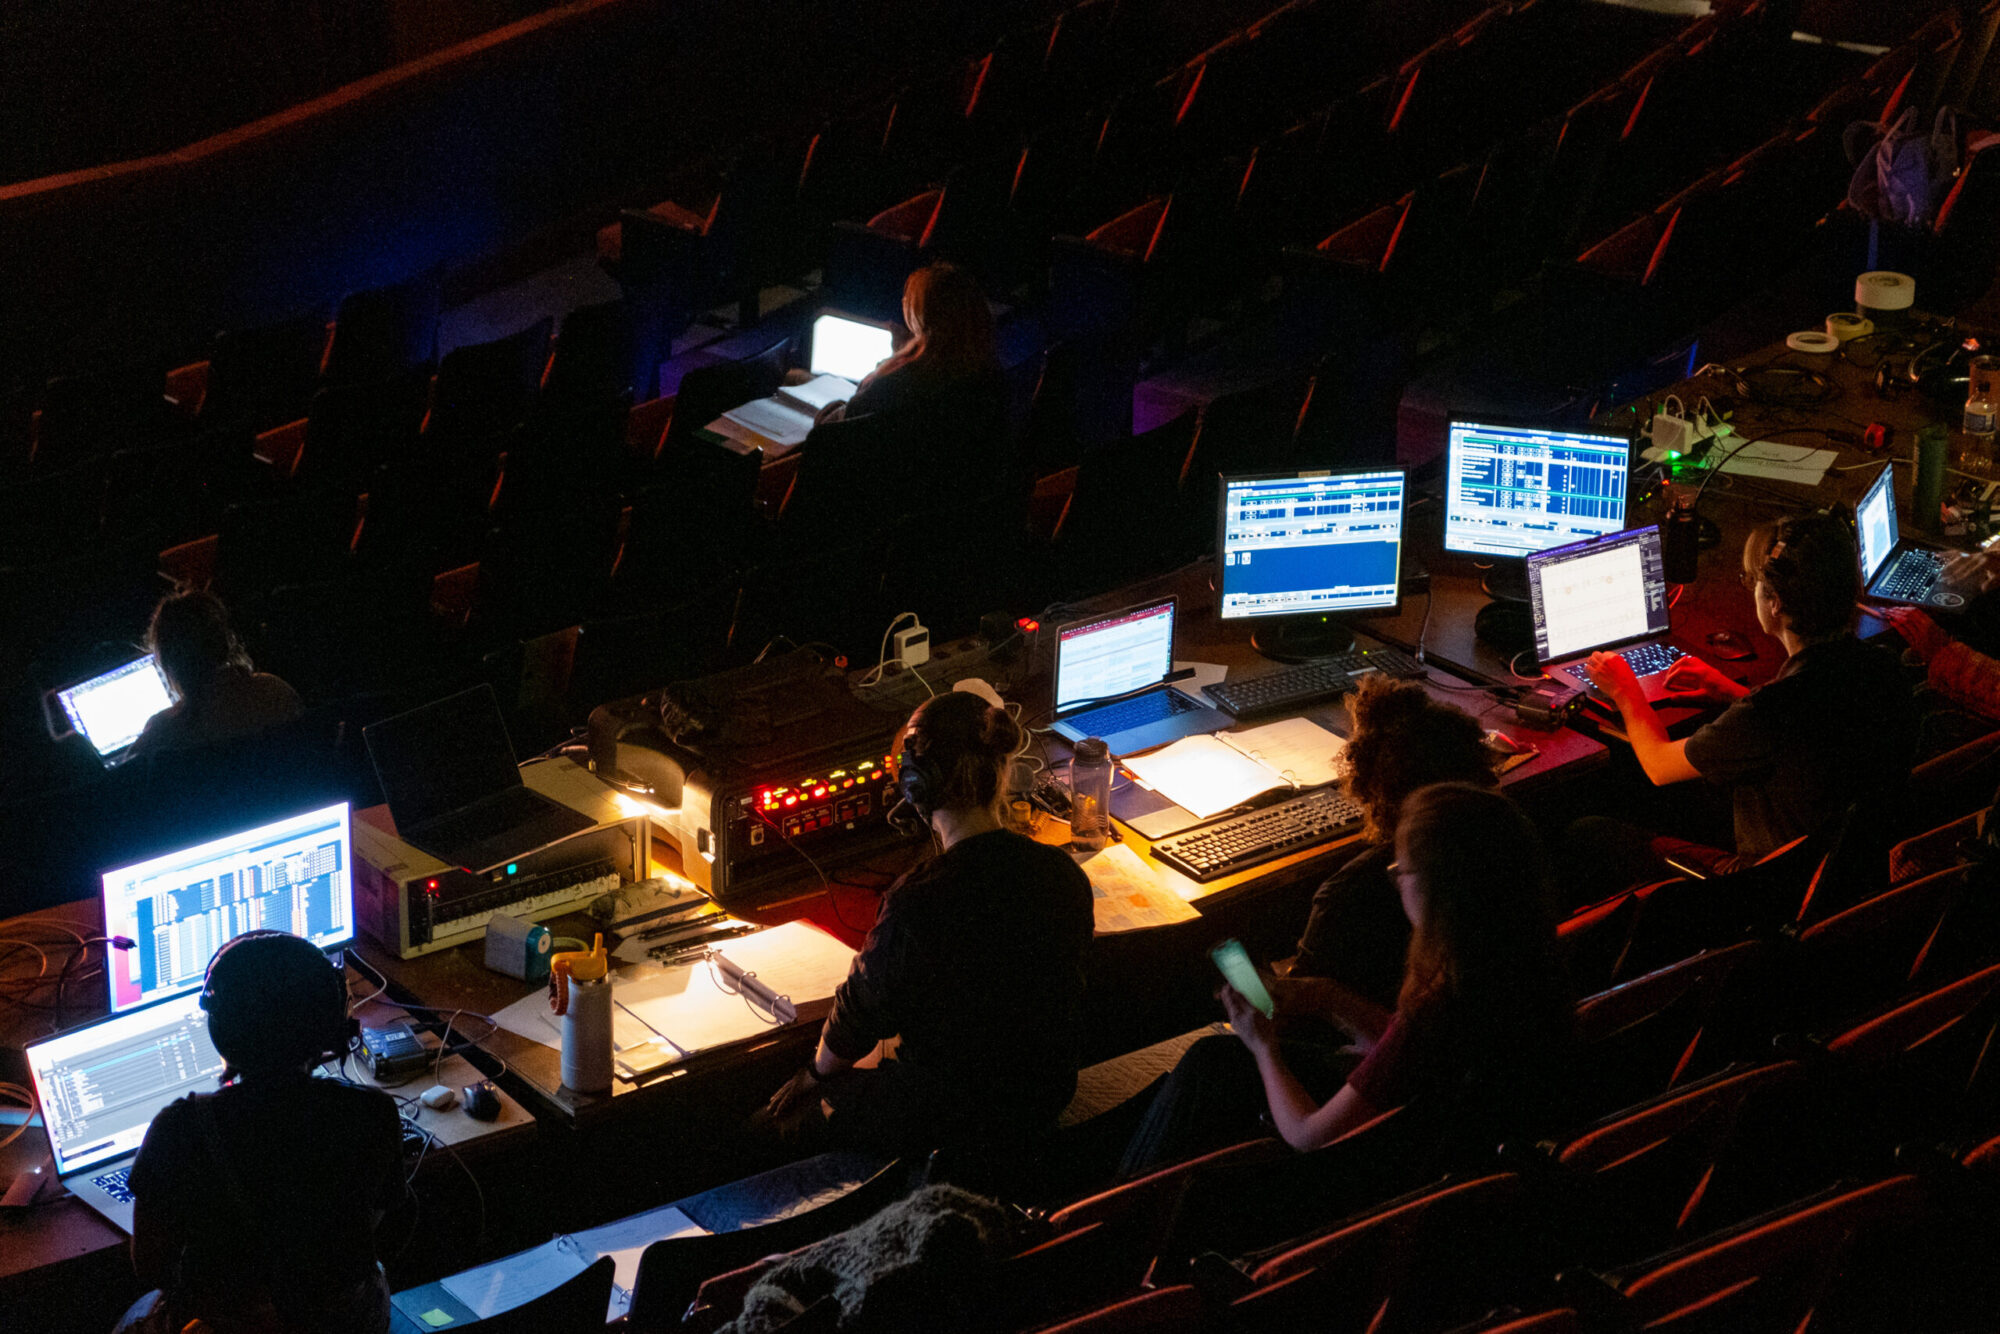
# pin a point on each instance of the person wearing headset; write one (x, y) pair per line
(255, 1207)
(975, 964)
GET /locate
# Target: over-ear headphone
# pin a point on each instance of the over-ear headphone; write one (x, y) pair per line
(327, 1024)
(915, 785)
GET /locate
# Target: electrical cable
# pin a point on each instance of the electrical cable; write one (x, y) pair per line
(27, 1096)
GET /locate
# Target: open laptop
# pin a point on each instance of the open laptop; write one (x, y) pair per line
(111, 710)
(1610, 594)
(1894, 569)
(101, 1085)
(848, 346)
(1111, 674)
(841, 350)
(448, 774)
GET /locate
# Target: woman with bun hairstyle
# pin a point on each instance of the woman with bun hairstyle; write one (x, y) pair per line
(975, 966)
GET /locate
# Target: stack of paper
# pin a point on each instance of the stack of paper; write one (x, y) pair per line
(1127, 896)
(520, 1278)
(1207, 775)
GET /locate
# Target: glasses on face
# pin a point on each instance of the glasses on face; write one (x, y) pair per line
(1400, 873)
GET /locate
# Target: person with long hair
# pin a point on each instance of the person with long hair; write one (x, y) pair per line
(217, 694)
(256, 1207)
(974, 966)
(1836, 726)
(1482, 1018)
(948, 369)
(1400, 740)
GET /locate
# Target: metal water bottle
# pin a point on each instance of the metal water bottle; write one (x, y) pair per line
(580, 991)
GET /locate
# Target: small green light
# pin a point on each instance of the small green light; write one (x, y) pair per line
(513, 867)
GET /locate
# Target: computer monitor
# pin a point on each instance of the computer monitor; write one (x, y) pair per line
(847, 345)
(294, 874)
(111, 710)
(1302, 551)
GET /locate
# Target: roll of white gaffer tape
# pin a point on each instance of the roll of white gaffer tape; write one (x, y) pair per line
(1847, 328)
(1884, 290)
(1811, 340)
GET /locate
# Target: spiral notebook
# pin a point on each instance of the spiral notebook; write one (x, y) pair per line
(1206, 775)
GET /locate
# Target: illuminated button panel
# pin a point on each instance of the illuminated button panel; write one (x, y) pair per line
(839, 798)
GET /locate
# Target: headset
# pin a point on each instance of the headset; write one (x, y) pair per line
(339, 1030)
(917, 783)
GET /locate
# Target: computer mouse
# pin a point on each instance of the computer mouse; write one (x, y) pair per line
(1728, 644)
(482, 1101)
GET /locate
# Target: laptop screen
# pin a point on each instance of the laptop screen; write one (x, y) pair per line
(111, 710)
(294, 875)
(1875, 524)
(1114, 655)
(443, 757)
(1591, 595)
(100, 1086)
(1510, 490)
(847, 347)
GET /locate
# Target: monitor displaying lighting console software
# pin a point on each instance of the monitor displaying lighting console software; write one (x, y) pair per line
(1512, 491)
(294, 874)
(1304, 547)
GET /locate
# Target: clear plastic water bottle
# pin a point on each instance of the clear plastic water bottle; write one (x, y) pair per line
(1090, 771)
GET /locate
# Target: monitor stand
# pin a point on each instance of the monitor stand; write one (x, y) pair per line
(1507, 623)
(1302, 638)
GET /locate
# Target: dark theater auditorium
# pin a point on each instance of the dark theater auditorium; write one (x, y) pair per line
(1085, 666)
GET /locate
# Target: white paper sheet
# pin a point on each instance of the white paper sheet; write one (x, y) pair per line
(797, 960)
(518, 1279)
(1295, 748)
(1203, 775)
(627, 1238)
(778, 422)
(1127, 896)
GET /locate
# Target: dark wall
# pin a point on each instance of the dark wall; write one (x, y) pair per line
(432, 164)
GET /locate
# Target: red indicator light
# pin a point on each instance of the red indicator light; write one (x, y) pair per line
(432, 886)
(1027, 625)
(791, 801)
(819, 792)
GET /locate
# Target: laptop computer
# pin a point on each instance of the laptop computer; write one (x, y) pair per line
(111, 709)
(1894, 569)
(448, 774)
(1111, 674)
(1608, 593)
(101, 1085)
(848, 346)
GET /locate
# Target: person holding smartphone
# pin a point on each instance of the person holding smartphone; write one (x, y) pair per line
(1481, 1024)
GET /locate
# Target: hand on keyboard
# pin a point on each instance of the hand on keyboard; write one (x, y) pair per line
(1694, 681)
(1614, 676)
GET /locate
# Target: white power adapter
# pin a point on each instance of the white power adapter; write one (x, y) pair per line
(1677, 434)
(913, 646)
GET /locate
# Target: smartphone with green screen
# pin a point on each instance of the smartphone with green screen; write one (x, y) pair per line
(1234, 961)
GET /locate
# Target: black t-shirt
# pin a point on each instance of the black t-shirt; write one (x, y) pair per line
(956, 425)
(318, 1162)
(1357, 932)
(976, 960)
(1836, 725)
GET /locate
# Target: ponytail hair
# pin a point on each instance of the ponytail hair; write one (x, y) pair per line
(960, 745)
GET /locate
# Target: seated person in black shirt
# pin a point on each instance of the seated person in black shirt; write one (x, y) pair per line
(255, 1207)
(1481, 1023)
(218, 695)
(1401, 740)
(1836, 726)
(975, 964)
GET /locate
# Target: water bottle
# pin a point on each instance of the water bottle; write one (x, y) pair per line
(1090, 770)
(580, 991)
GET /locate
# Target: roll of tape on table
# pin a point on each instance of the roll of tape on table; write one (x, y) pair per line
(1848, 327)
(1812, 340)
(1884, 296)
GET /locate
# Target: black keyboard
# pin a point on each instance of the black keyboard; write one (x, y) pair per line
(1911, 576)
(1242, 841)
(1133, 712)
(116, 1184)
(1286, 691)
(487, 819)
(1647, 659)
(1389, 661)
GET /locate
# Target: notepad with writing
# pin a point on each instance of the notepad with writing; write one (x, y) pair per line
(1207, 775)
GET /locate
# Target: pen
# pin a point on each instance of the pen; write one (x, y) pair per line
(688, 949)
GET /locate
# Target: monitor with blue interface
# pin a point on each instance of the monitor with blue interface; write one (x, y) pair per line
(1512, 491)
(1301, 550)
(294, 874)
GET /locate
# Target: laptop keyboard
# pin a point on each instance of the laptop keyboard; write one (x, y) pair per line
(1132, 713)
(1911, 576)
(486, 820)
(113, 1184)
(1647, 659)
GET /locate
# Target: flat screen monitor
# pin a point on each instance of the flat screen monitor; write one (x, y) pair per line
(1300, 549)
(1513, 490)
(111, 710)
(294, 874)
(848, 346)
